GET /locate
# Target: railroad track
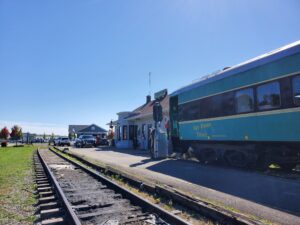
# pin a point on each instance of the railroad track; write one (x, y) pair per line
(73, 194)
(54, 207)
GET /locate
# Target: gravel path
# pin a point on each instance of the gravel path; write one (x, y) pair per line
(274, 199)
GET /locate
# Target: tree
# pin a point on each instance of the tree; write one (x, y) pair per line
(4, 133)
(16, 133)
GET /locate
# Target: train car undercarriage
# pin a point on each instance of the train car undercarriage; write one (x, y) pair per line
(256, 155)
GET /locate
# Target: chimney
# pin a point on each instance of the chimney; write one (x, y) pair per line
(148, 99)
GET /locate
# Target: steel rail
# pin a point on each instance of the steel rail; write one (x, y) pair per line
(71, 216)
(146, 205)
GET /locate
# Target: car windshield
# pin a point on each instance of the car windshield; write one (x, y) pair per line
(65, 139)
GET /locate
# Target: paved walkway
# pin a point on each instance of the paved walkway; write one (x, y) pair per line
(271, 198)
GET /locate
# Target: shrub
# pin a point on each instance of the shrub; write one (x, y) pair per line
(4, 144)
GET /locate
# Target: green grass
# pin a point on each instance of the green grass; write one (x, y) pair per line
(16, 185)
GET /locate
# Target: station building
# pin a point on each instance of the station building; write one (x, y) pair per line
(93, 129)
(137, 124)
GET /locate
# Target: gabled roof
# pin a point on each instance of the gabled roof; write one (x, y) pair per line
(76, 128)
(147, 109)
(93, 128)
(137, 111)
(284, 51)
(86, 128)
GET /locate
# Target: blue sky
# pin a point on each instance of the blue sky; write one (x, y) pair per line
(81, 62)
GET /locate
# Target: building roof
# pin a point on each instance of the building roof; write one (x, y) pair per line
(284, 51)
(93, 128)
(147, 109)
(86, 128)
(76, 128)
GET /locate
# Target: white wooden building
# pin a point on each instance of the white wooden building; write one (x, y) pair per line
(136, 124)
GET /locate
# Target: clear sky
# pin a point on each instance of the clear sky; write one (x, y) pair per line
(82, 61)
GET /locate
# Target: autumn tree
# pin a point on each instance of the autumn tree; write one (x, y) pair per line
(4, 133)
(16, 133)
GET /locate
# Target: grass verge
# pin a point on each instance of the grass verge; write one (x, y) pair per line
(16, 185)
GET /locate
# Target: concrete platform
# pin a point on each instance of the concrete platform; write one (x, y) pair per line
(271, 198)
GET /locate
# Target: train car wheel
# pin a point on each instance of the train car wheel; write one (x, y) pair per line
(288, 166)
(236, 159)
(208, 156)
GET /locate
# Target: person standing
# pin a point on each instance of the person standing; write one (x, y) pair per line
(152, 139)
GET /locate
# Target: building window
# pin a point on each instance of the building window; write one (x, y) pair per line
(125, 137)
(268, 96)
(296, 90)
(119, 133)
(131, 132)
(244, 101)
(144, 131)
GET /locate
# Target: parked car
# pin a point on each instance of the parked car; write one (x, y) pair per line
(64, 141)
(51, 141)
(102, 141)
(85, 141)
(56, 141)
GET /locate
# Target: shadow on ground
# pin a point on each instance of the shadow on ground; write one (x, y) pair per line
(273, 192)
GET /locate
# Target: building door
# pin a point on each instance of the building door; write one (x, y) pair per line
(131, 132)
(149, 136)
(135, 132)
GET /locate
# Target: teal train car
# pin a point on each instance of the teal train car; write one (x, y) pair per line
(246, 115)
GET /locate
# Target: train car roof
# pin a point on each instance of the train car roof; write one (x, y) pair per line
(276, 54)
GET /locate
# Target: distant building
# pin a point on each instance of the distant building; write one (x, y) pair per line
(136, 124)
(95, 130)
(28, 137)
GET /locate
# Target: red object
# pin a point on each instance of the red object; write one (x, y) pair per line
(4, 133)
(167, 125)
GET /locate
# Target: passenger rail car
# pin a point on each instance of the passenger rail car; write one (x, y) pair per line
(246, 115)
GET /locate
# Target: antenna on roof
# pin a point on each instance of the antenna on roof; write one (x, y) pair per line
(150, 83)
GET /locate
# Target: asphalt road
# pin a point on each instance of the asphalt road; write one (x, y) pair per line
(272, 198)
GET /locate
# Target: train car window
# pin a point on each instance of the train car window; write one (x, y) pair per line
(296, 90)
(244, 100)
(268, 96)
